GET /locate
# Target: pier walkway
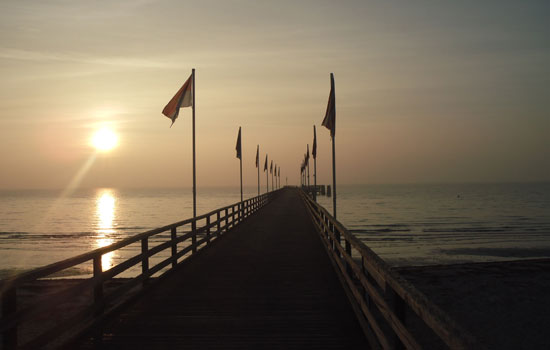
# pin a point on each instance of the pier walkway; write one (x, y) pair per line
(267, 283)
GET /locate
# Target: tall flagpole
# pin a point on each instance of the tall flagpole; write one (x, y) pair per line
(330, 123)
(333, 176)
(333, 134)
(194, 163)
(314, 165)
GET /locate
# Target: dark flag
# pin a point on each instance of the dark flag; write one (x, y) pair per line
(183, 98)
(258, 156)
(271, 167)
(238, 147)
(330, 116)
(265, 165)
(330, 123)
(314, 147)
(307, 154)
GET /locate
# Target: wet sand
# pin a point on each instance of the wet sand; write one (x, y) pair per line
(506, 305)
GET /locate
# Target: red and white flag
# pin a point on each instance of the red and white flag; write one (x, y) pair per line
(183, 98)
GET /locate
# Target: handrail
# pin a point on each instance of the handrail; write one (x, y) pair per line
(225, 219)
(373, 283)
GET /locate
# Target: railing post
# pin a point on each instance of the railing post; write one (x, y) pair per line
(218, 224)
(226, 219)
(194, 235)
(9, 306)
(145, 259)
(348, 252)
(208, 230)
(232, 216)
(366, 274)
(338, 239)
(98, 285)
(173, 237)
(397, 305)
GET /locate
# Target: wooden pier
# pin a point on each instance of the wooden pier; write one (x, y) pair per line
(274, 271)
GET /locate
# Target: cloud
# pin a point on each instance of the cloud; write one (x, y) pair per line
(117, 61)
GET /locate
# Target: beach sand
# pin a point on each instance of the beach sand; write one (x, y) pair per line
(506, 305)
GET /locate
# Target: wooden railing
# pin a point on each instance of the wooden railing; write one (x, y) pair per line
(186, 238)
(383, 300)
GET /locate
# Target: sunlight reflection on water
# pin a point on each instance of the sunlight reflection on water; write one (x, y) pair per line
(105, 212)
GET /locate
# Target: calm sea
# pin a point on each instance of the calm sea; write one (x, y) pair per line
(405, 224)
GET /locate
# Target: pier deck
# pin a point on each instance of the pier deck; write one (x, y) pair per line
(268, 283)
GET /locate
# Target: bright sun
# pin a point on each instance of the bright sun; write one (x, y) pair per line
(104, 140)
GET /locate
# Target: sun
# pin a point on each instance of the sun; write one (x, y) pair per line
(104, 140)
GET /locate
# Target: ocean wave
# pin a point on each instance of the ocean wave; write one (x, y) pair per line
(379, 230)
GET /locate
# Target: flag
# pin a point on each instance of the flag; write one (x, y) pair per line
(314, 147)
(238, 147)
(307, 154)
(330, 116)
(183, 98)
(271, 167)
(258, 156)
(265, 165)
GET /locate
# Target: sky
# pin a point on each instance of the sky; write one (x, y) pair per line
(426, 91)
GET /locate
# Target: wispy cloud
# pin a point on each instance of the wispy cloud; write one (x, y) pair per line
(116, 61)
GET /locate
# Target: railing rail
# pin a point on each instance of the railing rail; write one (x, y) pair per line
(204, 229)
(380, 295)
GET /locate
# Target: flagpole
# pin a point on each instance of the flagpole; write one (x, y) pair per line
(241, 163)
(308, 183)
(315, 166)
(194, 161)
(333, 134)
(258, 166)
(333, 176)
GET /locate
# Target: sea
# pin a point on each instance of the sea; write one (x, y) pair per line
(404, 224)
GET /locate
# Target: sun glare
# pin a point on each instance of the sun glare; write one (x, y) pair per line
(104, 140)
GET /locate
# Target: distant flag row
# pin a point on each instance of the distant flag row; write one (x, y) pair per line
(185, 98)
(276, 172)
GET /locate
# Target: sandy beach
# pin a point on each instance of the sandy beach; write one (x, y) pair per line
(506, 305)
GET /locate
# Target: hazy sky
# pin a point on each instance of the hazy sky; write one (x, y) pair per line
(426, 91)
